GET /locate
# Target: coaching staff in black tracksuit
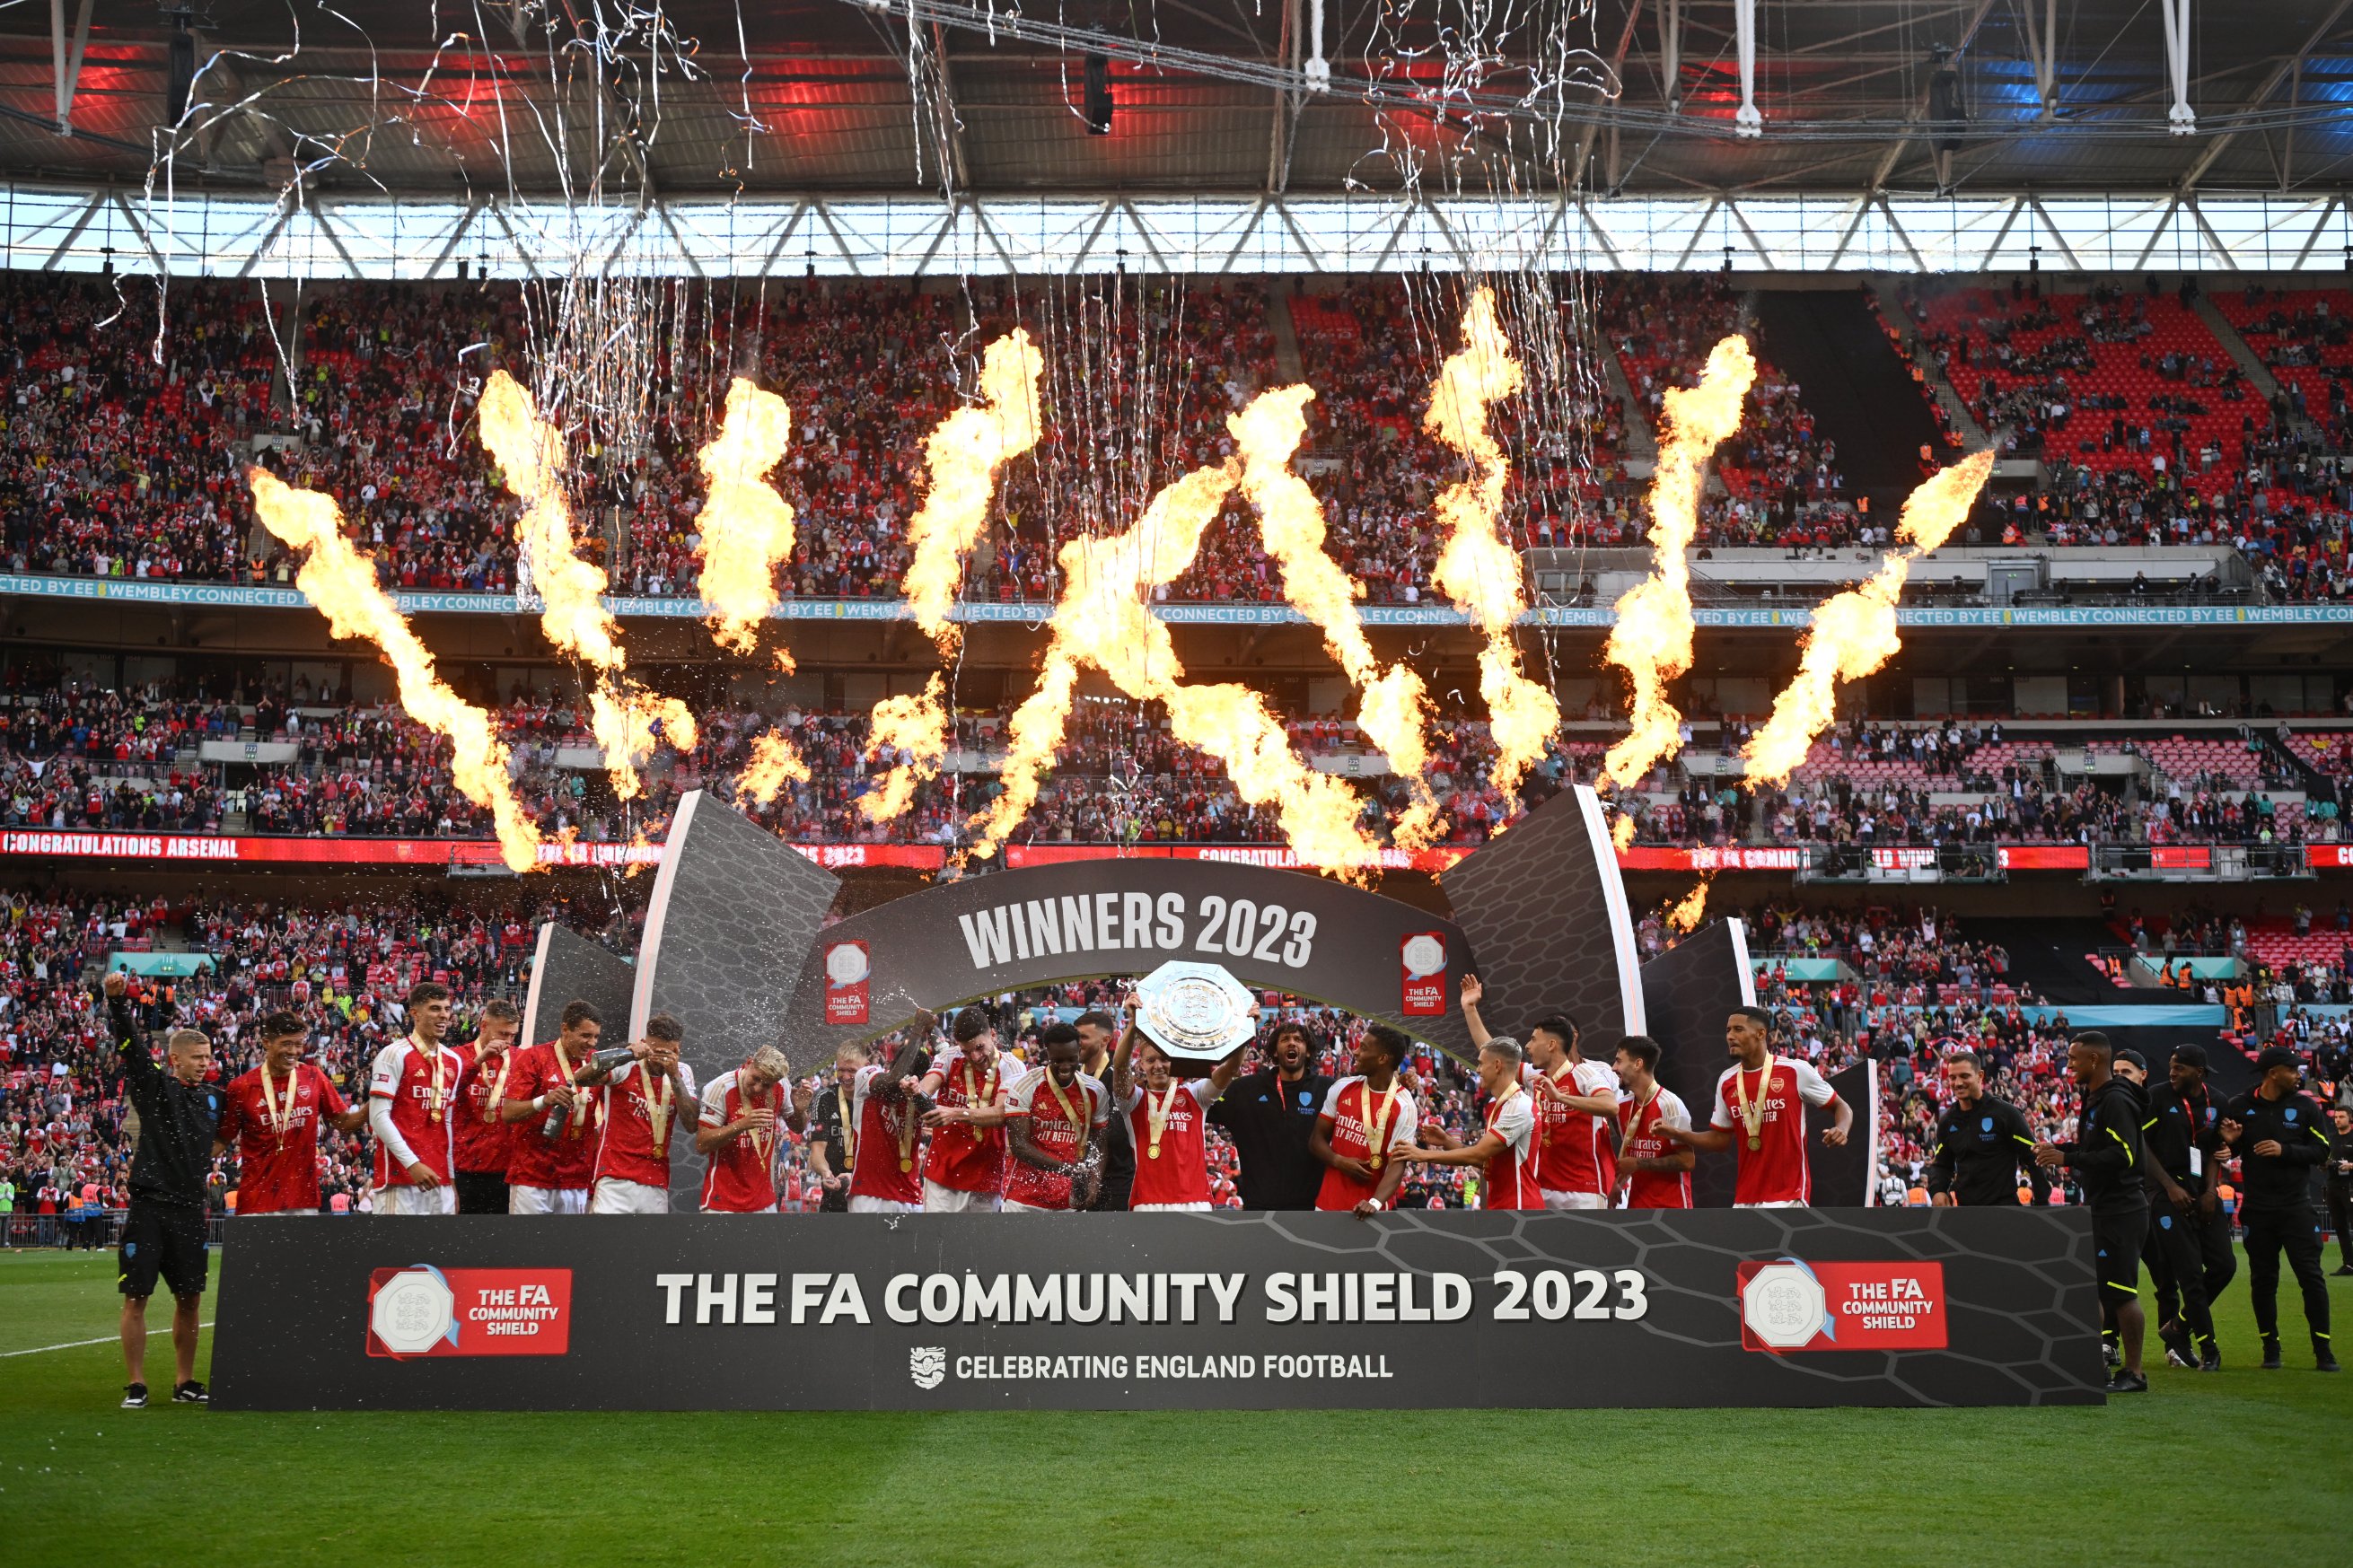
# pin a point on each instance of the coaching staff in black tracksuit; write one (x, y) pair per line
(2106, 1160)
(164, 1233)
(1271, 1116)
(1982, 1141)
(2189, 1253)
(2278, 1134)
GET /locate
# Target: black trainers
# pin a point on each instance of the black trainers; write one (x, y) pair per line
(2179, 1350)
(2343, 1269)
(2271, 1356)
(2213, 1359)
(191, 1393)
(134, 1397)
(2324, 1359)
(2126, 1382)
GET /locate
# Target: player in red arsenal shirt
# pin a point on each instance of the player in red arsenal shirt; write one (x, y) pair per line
(1167, 1119)
(644, 1105)
(968, 1086)
(1507, 1173)
(1055, 1120)
(1575, 1103)
(552, 1176)
(412, 1110)
(1365, 1120)
(1652, 1172)
(737, 1130)
(271, 1115)
(1760, 1110)
(485, 1141)
(886, 1178)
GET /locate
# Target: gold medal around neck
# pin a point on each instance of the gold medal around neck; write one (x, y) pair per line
(1754, 1143)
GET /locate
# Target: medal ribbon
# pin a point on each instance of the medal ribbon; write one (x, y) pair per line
(1156, 1115)
(976, 1096)
(1078, 1121)
(498, 1094)
(280, 1121)
(578, 1124)
(1752, 1111)
(1378, 1120)
(439, 1100)
(849, 1130)
(746, 1100)
(656, 1107)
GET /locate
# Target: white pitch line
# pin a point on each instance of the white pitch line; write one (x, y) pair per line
(77, 1344)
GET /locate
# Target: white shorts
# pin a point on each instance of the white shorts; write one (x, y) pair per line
(614, 1195)
(1168, 1209)
(1010, 1206)
(860, 1204)
(1573, 1200)
(1775, 1203)
(442, 1199)
(547, 1200)
(938, 1199)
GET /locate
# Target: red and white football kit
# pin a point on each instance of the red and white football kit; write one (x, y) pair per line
(1057, 1117)
(885, 1179)
(1575, 1166)
(412, 1107)
(643, 1113)
(550, 1175)
(485, 1143)
(1352, 1109)
(741, 1175)
(1509, 1181)
(965, 1171)
(273, 1120)
(1774, 1174)
(1172, 1157)
(1638, 1139)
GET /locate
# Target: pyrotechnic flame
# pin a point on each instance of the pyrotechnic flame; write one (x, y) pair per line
(1477, 567)
(1854, 633)
(1691, 907)
(340, 583)
(1103, 619)
(1621, 831)
(962, 457)
(914, 725)
(1394, 707)
(530, 453)
(1651, 639)
(775, 762)
(746, 527)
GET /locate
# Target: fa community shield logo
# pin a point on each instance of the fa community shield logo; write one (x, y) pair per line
(928, 1366)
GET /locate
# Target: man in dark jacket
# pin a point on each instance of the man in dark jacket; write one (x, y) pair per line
(2279, 1136)
(1271, 1116)
(2188, 1252)
(2105, 1158)
(164, 1231)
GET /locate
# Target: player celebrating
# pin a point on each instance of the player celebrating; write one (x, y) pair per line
(964, 1171)
(833, 1131)
(412, 1099)
(1652, 1172)
(1366, 1119)
(1169, 1121)
(1766, 1092)
(485, 1141)
(272, 1115)
(1576, 1106)
(544, 1175)
(1501, 1151)
(1055, 1120)
(643, 1104)
(888, 1113)
(737, 1132)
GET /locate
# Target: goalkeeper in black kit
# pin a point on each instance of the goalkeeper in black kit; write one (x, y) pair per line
(1982, 1144)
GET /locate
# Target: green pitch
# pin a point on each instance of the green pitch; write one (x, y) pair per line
(2254, 1458)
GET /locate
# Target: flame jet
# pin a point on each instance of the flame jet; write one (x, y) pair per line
(1395, 705)
(341, 584)
(962, 457)
(1103, 619)
(530, 453)
(1477, 567)
(1854, 633)
(1651, 639)
(746, 527)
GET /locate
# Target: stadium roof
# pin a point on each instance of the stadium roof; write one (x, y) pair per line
(784, 97)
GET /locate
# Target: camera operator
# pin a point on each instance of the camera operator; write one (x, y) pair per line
(164, 1233)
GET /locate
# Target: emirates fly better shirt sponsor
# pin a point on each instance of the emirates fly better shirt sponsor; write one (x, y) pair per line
(1572, 1146)
(1352, 1106)
(643, 1113)
(968, 1159)
(1776, 1171)
(1054, 1121)
(422, 1087)
(485, 1143)
(277, 1136)
(889, 1158)
(1640, 1125)
(1179, 1174)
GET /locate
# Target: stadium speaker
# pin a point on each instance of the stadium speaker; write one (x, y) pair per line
(180, 75)
(1946, 115)
(1098, 96)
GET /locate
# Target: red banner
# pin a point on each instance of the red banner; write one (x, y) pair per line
(2044, 857)
(1788, 1306)
(1421, 963)
(1727, 857)
(847, 967)
(2181, 857)
(427, 1311)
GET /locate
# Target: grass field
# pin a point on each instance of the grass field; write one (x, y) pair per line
(2258, 1460)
